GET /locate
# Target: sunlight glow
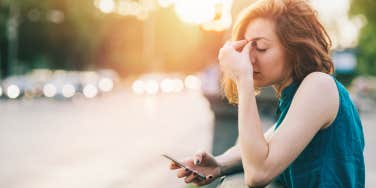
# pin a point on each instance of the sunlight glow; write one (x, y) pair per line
(195, 11)
(222, 19)
(344, 31)
(106, 6)
(166, 3)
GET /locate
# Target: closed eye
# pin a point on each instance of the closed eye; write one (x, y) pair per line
(255, 46)
(261, 50)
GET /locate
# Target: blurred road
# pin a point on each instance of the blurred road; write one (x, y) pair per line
(112, 142)
(369, 128)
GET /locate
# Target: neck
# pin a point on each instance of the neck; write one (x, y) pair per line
(278, 87)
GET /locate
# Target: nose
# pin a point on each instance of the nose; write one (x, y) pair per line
(252, 56)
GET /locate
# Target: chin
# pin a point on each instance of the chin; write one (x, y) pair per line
(260, 83)
(257, 84)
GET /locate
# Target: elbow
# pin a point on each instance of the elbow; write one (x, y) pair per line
(256, 179)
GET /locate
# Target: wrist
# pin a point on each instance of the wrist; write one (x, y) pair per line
(245, 76)
(220, 164)
(244, 82)
(224, 168)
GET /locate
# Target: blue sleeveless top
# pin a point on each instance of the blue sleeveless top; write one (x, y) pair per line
(334, 157)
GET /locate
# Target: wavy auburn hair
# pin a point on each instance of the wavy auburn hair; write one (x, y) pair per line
(304, 39)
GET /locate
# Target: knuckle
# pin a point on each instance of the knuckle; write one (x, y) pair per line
(186, 180)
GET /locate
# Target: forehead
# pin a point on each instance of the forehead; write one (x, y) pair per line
(261, 28)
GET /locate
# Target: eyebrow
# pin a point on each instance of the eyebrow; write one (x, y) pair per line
(256, 39)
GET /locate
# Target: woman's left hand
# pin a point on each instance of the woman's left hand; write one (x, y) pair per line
(234, 63)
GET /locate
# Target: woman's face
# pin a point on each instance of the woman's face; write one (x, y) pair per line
(267, 53)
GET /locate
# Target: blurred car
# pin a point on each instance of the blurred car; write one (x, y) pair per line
(163, 83)
(363, 93)
(59, 84)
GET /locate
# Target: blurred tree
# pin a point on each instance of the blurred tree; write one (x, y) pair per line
(366, 54)
(59, 32)
(3, 39)
(75, 35)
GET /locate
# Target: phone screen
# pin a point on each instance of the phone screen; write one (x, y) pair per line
(183, 166)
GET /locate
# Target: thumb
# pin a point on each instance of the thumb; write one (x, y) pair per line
(199, 157)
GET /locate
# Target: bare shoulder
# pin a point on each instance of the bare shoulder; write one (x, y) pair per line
(319, 88)
(321, 80)
(319, 84)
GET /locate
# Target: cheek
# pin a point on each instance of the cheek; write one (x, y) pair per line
(272, 69)
(274, 62)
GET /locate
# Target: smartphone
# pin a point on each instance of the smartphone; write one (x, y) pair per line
(202, 177)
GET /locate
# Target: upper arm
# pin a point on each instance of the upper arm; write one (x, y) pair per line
(314, 105)
(267, 135)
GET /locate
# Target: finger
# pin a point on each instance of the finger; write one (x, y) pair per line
(237, 45)
(225, 50)
(247, 48)
(183, 173)
(200, 182)
(190, 178)
(199, 157)
(227, 43)
(174, 166)
(220, 54)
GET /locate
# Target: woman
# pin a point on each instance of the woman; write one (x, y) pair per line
(318, 139)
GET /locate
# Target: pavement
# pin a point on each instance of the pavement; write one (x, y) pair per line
(111, 142)
(115, 141)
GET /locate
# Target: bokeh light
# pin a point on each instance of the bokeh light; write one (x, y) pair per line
(192, 82)
(167, 85)
(138, 87)
(49, 90)
(68, 90)
(90, 91)
(106, 6)
(178, 85)
(105, 84)
(151, 87)
(13, 91)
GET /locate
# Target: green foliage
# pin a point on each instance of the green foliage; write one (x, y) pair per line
(366, 53)
(88, 38)
(68, 45)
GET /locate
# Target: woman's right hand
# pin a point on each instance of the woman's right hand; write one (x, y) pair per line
(202, 162)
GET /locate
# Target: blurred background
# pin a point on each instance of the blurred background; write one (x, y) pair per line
(92, 92)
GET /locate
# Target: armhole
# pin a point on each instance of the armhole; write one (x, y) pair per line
(339, 106)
